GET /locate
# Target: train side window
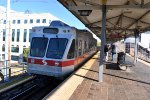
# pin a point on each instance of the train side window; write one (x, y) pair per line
(71, 50)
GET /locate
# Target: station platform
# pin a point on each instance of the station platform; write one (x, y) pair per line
(132, 84)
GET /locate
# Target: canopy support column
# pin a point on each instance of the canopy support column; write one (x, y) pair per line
(136, 34)
(103, 41)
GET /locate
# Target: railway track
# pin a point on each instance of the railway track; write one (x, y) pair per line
(15, 89)
(29, 89)
(33, 88)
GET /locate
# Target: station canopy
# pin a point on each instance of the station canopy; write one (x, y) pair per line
(122, 16)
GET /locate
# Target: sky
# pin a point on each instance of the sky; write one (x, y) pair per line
(45, 6)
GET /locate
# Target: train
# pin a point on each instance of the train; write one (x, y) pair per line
(58, 49)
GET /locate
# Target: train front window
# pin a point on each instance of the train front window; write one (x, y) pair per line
(56, 48)
(38, 46)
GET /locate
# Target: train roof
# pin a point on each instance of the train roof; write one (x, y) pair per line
(59, 26)
(58, 23)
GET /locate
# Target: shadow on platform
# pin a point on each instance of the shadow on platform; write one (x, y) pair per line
(112, 65)
(127, 78)
(86, 77)
(110, 75)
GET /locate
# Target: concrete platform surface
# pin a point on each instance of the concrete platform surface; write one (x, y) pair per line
(132, 84)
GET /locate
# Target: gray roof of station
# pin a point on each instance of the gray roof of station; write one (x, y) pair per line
(123, 16)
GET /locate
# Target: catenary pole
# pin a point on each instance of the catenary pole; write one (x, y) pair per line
(7, 41)
(136, 33)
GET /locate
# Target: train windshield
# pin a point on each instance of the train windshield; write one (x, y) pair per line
(56, 48)
(38, 46)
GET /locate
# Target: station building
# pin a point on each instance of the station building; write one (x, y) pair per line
(21, 24)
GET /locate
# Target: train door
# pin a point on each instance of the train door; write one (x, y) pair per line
(80, 47)
(71, 53)
(80, 51)
(76, 51)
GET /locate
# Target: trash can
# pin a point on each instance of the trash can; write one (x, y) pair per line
(121, 58)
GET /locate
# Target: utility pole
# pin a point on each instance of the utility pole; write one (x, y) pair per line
(7, 42)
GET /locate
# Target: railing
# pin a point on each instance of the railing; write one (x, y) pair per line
(143, 53)
(11, 71)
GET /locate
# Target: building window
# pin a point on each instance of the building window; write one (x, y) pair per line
(15, 49)
(38, 21)
(14, 22)
(13, 34)
(3, 47)
(4, 22)
(4, 34)
(3, 56)
(31, 21)
(18, 21)
(25, 21)
(14, 58)
(18, 34)
(44, 21)
(25, 35)
(30, 31)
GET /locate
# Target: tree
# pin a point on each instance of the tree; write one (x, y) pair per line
(25, 54)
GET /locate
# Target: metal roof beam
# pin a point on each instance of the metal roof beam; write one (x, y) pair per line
(101, 20)
(134, 2)
(119, 19)
(87, 7)
(128, 6)
(87, 2)
(111, 23)
(99, 28)
(136, 19)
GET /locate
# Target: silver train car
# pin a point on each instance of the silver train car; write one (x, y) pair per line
(59, 49)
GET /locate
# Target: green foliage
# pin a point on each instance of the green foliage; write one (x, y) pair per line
(25, 52)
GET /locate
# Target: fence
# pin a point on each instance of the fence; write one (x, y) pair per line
(12, 70)
(143, 53)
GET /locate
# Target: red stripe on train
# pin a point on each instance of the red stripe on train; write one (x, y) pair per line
(51, 62)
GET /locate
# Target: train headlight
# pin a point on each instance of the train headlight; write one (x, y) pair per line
(56, 63)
